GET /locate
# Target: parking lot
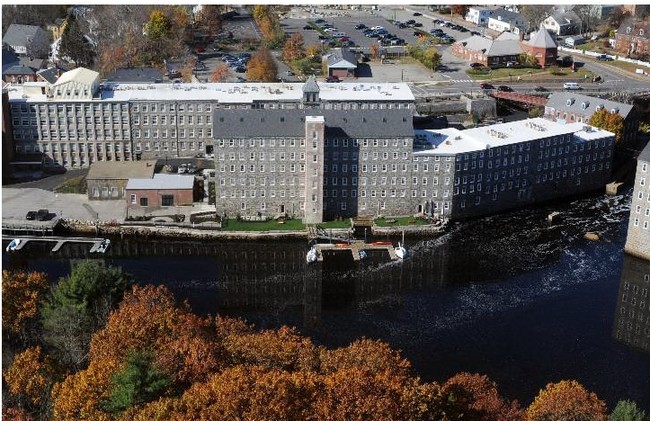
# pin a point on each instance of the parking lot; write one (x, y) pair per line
(244, 29)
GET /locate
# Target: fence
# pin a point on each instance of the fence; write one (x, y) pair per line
(595, 54)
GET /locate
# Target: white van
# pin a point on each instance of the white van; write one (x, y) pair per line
(571, 86)
(337, 34)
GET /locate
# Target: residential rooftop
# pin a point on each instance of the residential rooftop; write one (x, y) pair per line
(452, 141)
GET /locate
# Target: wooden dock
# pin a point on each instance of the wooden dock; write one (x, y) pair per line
(58, 241)
(355, 248)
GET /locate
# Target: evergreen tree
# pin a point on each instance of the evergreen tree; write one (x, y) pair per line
(74, 44)
(628, 411)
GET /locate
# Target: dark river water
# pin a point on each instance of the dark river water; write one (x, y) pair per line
(510, 296)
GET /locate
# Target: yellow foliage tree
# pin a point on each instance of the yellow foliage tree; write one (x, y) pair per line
(262, 67)
(567, 400)
(607, 120)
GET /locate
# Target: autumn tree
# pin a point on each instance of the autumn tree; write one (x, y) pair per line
(617, 16)
(220, 73)
(474, 397)
(269, 25)
(567, 400)
(428, 56)
(294, 48)
(22, 296)
(608, 120)
(375, 356)
(75, 45)
(29, 380)
(262, 67)
(210, 18)
(79, 304)
(459, 9)
(628, 411)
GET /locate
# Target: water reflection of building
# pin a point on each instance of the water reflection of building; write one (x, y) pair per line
(632, 318)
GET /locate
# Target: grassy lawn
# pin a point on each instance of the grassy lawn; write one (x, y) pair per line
(628, 67)
(272, 225)
(511, 74)
(73, 185)
(398, 221)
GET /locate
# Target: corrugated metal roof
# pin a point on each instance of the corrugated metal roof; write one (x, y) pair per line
(161, 182)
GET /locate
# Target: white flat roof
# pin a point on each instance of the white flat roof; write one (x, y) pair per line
(161, 182)
(453, 141)
(239, 92)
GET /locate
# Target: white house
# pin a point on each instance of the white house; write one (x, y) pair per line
(479, 15)
(563, 23)
(503, 20)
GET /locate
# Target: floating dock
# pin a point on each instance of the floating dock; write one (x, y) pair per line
(59, 241)
(355, 248)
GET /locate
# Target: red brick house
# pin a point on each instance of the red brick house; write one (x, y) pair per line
(541, 46)
(633, 38)
(161, 191)
(341, 63)
(493, 53)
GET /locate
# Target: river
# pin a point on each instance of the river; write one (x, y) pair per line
(510, 296)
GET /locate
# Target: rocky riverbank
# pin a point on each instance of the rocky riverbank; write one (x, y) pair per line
(178, 232)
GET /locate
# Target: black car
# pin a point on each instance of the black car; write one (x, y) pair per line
(410, 22)
(42, 214)
(504, 88)
(402, 25)
(540, 89)
(417, 14)
(417, 25)
(475, 33)
(307, 27)
(360, 26)
(476, 65)
(604, 57)
(486, 86)
(31, 215)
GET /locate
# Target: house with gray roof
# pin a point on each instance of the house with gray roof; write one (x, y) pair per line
(27, 40)
(570, 107)
(341, 63)
(563, 23)
(503, 20)
(493, 53)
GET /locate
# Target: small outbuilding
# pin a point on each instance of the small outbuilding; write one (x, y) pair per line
(107, 180)
(341, 63)
(162, 190)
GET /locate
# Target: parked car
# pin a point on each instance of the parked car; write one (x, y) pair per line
(504, 88)
(410, 22)
(475, 33)
(604, 57)
(31, 215)
(417, 14)
(540, 89)
(485, 85)
(376, 28)
(332, 79)
(360, 26)
(42, 214)
(417, 25)
(307, 27)
(476, 65)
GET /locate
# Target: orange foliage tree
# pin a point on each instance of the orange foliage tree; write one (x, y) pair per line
(475, 397)
(30, 379)
(567, 400)
(184, 347)
(22, 294)
(262, 67)
(219, 74)
(294, 48)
